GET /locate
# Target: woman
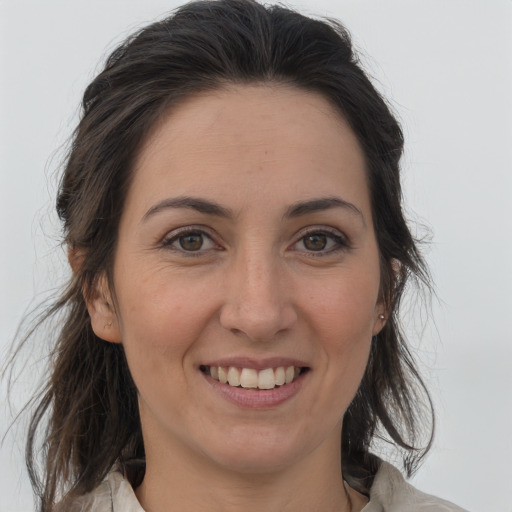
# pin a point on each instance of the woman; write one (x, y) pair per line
(231, 205)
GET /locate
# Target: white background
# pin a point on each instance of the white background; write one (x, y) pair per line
(446, 65)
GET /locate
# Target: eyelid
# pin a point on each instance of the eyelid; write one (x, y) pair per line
(172, 236)
(342, 241)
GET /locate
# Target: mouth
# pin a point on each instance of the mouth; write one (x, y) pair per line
(250, 378)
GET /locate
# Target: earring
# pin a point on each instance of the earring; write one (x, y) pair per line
(382, 317)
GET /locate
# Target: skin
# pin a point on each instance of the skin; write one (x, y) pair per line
(257, 287)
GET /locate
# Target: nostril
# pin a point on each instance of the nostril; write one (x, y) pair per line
(259, 319)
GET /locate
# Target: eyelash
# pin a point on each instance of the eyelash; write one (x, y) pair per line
(340, 241)
(168, 241)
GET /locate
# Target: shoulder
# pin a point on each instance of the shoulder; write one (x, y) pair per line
(114, 494)
(391, 493)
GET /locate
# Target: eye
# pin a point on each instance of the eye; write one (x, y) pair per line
(190, 240)
(315, 242)
(321, 242)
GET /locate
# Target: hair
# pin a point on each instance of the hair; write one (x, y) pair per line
(87, 414)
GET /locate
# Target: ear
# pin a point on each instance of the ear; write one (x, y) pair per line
(383, 308)
(101, 309)
(379, 318)
(98, 300)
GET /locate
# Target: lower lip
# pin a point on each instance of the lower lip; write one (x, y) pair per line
(257, 398)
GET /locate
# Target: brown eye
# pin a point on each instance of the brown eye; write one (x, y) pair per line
(191, 241)
(315, 242)
(322, 243)
(188, 241)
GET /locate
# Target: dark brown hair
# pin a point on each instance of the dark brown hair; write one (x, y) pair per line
(87, 411)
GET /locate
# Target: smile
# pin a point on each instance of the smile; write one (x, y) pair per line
(250, 378)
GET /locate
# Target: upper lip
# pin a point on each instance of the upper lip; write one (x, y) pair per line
(256, 364)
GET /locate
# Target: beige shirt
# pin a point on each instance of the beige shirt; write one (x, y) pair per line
(389, 493)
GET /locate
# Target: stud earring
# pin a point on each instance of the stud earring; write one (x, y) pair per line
(382, 317)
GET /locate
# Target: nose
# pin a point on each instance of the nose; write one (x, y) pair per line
(259, 299)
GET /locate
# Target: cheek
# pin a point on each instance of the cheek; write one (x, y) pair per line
(160, 321)
(343, 320)
(344, 308)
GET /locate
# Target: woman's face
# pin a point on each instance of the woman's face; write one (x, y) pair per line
(246, 252)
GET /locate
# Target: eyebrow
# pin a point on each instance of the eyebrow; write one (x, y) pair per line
(212, 208)
(322, 204)
(193, 203)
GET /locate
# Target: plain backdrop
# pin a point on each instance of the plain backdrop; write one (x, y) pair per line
(446, 67)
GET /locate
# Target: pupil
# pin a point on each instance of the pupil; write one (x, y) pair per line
(192, 242)
(315, 242)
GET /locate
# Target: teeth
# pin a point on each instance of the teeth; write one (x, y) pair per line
(280, 376)
(250, 378)
(289, 374)
(233, 376)
(223, 376)
(266, 379)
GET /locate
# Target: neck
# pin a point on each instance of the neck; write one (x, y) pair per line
(180, 480)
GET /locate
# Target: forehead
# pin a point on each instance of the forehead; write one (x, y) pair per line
(219, 113)
(245, 137)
